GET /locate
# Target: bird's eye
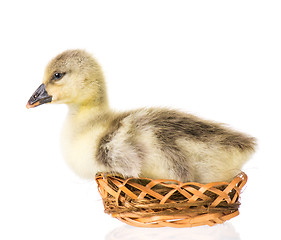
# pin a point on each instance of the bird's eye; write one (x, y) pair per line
(57, 76)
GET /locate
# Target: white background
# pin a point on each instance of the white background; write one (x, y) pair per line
(216, 59)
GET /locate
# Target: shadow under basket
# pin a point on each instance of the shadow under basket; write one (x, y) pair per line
(144, 202)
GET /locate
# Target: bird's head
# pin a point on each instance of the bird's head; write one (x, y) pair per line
(73, 77)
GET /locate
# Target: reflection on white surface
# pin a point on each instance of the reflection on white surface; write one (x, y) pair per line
(219, 232)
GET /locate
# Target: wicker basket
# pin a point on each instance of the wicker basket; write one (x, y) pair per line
(144, 202)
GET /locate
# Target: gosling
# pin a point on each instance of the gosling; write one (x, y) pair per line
(148, 142)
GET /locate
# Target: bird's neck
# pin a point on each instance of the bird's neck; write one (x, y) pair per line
(83, 113)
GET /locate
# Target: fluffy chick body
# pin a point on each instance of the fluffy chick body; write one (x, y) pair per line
(148, 142)
(154, 143)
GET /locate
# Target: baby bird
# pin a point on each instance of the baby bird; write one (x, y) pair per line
(148, 142)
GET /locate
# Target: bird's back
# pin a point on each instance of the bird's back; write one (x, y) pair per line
(170, 144)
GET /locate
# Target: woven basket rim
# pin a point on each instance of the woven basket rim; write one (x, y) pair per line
(146, 202)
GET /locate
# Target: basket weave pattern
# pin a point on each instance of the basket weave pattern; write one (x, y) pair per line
(144, 202)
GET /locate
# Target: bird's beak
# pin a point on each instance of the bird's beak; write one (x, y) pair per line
(40, 96)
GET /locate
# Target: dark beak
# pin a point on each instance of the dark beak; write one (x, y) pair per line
(40, 96)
